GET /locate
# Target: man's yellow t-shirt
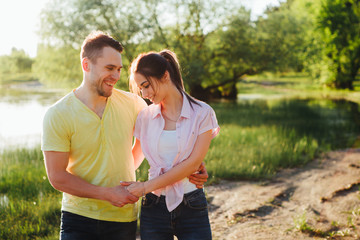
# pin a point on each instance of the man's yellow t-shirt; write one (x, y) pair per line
(99, 148)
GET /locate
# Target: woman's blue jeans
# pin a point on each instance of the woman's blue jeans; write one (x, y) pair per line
(190, 220)
(76, 227)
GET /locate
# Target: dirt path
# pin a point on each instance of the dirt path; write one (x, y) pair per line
(321, 198)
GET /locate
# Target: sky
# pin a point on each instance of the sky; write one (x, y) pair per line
(20, 20)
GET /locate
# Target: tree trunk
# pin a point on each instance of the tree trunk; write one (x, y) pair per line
(344, 81)
(198, 92)
(231, 92)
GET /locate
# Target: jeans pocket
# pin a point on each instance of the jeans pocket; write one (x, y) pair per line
(149, 200)
(197, 200)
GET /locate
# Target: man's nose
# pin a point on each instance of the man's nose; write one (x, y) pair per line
(116, 75)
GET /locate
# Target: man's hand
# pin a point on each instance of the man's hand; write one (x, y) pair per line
(200, 177)
(135, 188)
(120, 196)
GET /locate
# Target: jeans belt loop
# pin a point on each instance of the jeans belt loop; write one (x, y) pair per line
(157, 199)
(185, 200)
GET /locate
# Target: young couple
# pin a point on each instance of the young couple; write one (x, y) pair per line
(90, 156)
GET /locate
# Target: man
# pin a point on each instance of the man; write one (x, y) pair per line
(87, 145)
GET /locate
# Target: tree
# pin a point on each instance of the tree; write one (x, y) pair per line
(65, 23)
(339, 21)
(17, 65)
(306, 12)
(234, 54)
(17, 62)
(216, 40)
(281, 33)
(58, 66)
(192, 38)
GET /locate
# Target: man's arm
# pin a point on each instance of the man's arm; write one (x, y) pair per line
(137, 153)
(56, 164)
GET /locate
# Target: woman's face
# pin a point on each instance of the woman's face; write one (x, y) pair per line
(147, 88)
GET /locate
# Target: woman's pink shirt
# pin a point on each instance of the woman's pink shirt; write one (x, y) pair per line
(193, 121)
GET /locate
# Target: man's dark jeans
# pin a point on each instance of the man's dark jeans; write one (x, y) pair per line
(76, 227)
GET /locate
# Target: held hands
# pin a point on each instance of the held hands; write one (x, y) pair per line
(135, 188)
(131, 191)
(200, 177)
(119, 196)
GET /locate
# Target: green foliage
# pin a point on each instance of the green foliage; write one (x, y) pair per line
(320, 37)
(142, 171)
(58, 67)
(214, 40)
(7, 65)
(234, 53)
(17, 63)
(194, 38)
(281, 34)
(340, 23)
(64, 25)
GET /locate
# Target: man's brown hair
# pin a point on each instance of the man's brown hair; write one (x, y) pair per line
(95, 42)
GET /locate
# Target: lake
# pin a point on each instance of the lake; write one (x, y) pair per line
(24, 105)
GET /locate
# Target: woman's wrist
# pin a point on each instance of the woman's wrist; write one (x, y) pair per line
(145, 188)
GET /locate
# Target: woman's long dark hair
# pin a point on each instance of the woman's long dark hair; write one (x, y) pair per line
(155, 65)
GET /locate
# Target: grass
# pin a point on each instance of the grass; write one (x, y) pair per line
(258, 139)
(29, 206)
(294, 85)
(301, 224)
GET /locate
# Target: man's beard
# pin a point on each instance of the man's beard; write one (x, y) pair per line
(102, 93)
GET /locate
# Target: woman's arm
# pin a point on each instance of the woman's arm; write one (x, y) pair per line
(179, 172)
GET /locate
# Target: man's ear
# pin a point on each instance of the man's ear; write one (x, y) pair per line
(85, 64)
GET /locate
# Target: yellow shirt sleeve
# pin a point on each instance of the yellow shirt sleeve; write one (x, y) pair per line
(55, 134)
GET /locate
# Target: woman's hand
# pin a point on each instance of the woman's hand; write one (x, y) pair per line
(135, 188)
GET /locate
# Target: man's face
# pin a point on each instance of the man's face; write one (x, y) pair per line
(105, 72)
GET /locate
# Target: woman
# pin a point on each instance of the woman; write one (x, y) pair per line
(175, 134)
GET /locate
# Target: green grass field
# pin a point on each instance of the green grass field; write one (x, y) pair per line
(29, 206)
(258, 137)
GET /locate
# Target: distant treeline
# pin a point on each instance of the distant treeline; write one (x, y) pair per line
(17, 62)
(217, 42)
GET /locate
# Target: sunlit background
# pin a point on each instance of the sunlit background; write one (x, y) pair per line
(267, 67)
(19, 22)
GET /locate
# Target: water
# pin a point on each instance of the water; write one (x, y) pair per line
(22, 108)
